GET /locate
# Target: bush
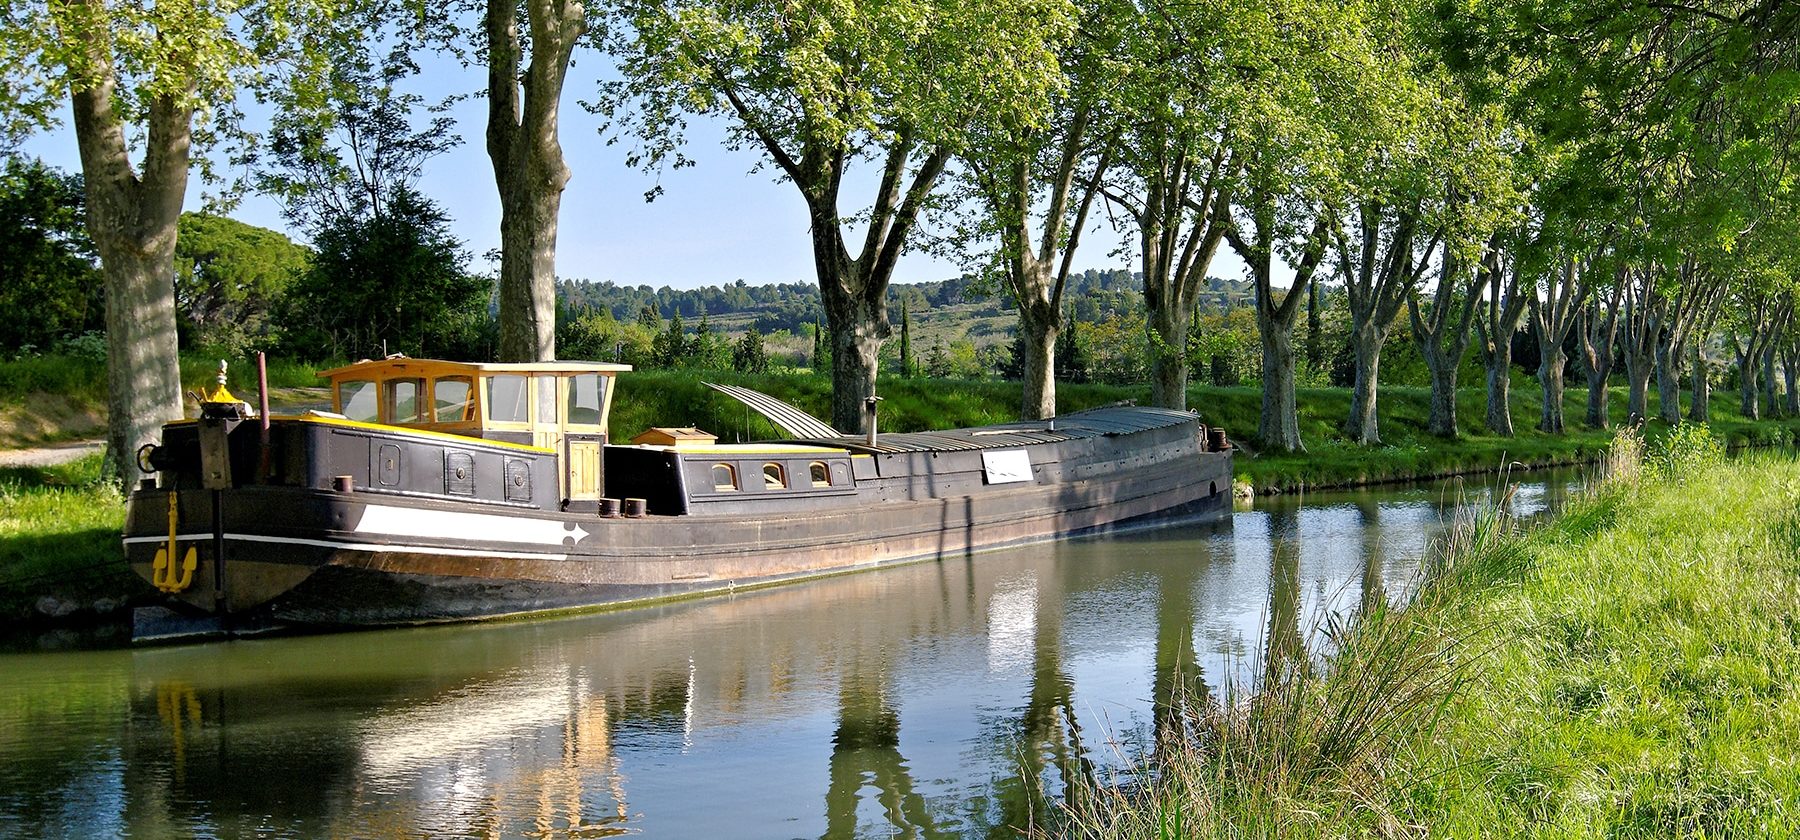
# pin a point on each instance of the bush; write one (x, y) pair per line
(1687, 449)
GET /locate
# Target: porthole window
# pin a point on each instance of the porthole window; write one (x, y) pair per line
(724, 478)
(774, 477)
(821, 477)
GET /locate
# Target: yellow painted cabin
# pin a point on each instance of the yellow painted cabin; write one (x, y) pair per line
(561, 407)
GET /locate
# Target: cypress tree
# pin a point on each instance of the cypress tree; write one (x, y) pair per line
(906, 357)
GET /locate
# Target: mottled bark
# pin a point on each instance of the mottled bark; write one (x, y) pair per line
(1279, 425)
(1550, 377)
(1038, 343)
(1769, 382)
(1639, 328)
(1668, 382)
(1168, 326)
(1700, 375)
(1181, 219)
(1599, 330)
(1376, 282)
(854, 289)
(1747, 382)
(1501, 315)
(1445, 332)
(132, 219)
(1364, 424)
(529, 171)
(1499, 390)
(1790, 374)
(1553, 317)
(1037, 274)
(1765, 316)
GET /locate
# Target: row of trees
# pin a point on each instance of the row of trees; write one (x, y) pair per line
(1469, 165)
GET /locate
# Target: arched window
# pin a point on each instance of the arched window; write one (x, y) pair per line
(821, 477)
(774, 478)
(724, 478)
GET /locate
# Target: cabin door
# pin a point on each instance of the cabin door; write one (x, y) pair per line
(581, 480)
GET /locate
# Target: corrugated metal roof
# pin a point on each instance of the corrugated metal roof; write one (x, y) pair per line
(786, 417)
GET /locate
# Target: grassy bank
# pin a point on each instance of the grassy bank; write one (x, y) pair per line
(47, 399)
(1631, 670)
(59, 540)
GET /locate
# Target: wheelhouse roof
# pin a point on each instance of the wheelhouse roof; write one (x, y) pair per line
(390, 367)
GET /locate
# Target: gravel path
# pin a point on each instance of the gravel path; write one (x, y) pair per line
(48, 456)
(288, 400)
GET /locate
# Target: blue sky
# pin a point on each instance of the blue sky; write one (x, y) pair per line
(714, 223)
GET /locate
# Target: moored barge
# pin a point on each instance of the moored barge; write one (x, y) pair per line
(444, 491)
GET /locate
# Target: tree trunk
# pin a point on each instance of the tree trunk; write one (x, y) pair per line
(1747, 386)
(1637, 376)
(1499, 389)
(1279, 427)
(1550, 375)
(1668, 383)
(133, 222)
(1362, 427)
(1599, 413)
(1769, 382)
(1790, 375)
(1168, 327)
(143, 369)
(858, 326)
(1037, 334)
(528, 166)
(1442, 421)
(1701, 403)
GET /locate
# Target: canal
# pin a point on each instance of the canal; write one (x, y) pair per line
(946, 699)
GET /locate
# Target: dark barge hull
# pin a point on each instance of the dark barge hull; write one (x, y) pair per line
(299, 553)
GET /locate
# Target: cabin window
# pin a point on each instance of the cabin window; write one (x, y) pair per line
(586, 391)
(546, 400)
(403, 402)
(506, 398)
(774, 477)
(453, 398)
(821, 477)
(724, 478)
(357, 400)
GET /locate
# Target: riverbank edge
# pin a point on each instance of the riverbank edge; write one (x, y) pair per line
(1628, 668)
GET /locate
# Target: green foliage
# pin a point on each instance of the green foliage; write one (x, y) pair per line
(229, 278)
(591, 334)
(1687, 449)
(1226, 346)
(50, 287)
(748, 355)
(670, 346)
(395, 280)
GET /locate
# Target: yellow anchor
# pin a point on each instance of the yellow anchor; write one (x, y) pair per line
(162, 570)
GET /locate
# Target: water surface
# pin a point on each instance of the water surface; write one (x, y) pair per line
(944, 699)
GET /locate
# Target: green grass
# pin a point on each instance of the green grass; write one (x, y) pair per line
(1631, 670)
(59, 536)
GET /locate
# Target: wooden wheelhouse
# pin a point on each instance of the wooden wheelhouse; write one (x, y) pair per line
(561, 407)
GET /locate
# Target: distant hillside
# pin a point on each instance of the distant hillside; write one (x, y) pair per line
(942, 311)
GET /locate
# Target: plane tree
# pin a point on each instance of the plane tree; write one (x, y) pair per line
(147, 86)
(826, 92)
(1035, 186)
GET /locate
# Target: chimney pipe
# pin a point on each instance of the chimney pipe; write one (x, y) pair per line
(869, 407)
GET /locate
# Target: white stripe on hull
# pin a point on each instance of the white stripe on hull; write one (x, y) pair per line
(376, 548)
(465, 527)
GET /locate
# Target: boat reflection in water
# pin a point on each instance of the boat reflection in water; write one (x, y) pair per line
(952, 699)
